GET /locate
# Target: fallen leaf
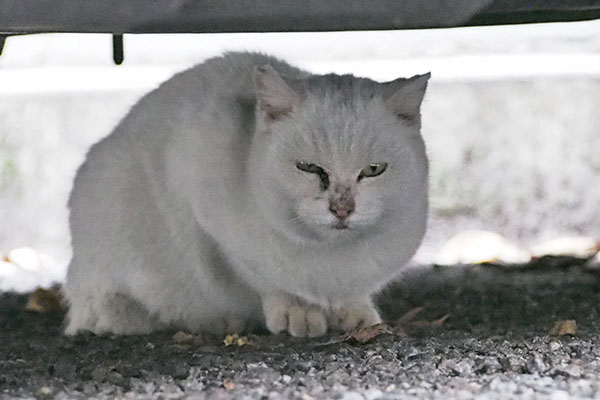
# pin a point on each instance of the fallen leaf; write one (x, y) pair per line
(44, 301)
(564, 327)
(410, 315)
(400, 332)
(368, 333)
(235, 339)
(408, 320)
(422, 324)
(183, 337)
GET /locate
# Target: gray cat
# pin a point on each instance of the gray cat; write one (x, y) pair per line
(247, 192)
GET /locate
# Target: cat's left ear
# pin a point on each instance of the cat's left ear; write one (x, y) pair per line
(275, 98)
(404, 96)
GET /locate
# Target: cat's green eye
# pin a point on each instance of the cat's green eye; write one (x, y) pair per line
(374, 169)
(315, 169)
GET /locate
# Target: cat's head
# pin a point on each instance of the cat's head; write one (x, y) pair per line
(337, 156)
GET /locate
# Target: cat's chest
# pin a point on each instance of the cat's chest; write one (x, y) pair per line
(322, 275)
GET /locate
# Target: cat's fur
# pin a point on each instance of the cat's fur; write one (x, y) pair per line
(194, 215)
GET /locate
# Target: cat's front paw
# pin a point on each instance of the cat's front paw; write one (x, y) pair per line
(353, 315)
(284, 314)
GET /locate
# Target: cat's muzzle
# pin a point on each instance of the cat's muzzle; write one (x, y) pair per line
(341, 225)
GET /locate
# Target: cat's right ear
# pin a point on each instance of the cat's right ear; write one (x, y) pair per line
(275, 99)
(405, 95)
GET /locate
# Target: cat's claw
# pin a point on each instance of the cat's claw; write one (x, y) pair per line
(299, 320)
(353, 315)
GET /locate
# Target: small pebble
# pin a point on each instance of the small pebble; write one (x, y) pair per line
(554, 345)
(100, 373)
(353, 396)
(559, 395)
(44, 391)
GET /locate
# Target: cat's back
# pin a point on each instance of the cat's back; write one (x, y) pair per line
(233, 71)
(189, 138)
(205, 112)
(219, 88)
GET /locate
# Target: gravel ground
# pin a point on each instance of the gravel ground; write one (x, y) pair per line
(494, 344)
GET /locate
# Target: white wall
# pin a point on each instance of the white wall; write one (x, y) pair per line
(510, 119)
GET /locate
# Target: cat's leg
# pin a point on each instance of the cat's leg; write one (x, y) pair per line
(353, 314)
(114, 313)
(123, 315)
(82, 315)
(286, 313)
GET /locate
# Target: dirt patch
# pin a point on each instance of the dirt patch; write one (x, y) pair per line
(493, 342)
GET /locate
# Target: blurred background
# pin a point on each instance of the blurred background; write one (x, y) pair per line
(511, 119)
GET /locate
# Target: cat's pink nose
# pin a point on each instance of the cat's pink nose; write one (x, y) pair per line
(341, 211)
